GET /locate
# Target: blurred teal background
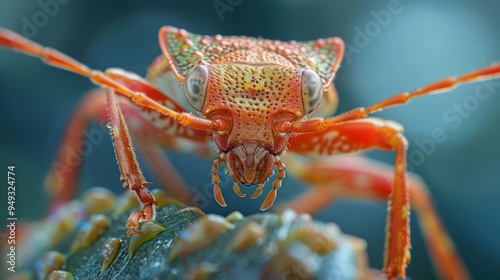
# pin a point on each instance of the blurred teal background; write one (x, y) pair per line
(421, 42)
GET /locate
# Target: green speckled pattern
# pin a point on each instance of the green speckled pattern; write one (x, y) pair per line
(187, 50)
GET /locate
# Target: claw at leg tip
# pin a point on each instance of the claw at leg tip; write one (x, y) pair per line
(132, 231)
(257, 192)
(269, 201)
(237, 190)
(218, 196)
(264, 208)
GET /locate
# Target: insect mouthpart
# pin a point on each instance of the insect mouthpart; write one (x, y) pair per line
(249, 163)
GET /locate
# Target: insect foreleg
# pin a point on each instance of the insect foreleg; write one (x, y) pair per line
(358, 178)
(55, 58)
(367, 134)
(444, 85)
(130, 171)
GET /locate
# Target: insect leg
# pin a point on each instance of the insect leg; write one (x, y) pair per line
(363, 135)
(491, 72)
(268, 202)
(360, 178)
(130, 171)
(216, 180)
(165, 172)
(55, 58)
(63, 176)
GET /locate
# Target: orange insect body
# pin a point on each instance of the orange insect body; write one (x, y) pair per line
(252, 99)
(254, 96)
(255, 87)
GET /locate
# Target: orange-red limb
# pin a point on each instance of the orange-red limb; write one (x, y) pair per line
(130, 171)
(269, 200)
(64, 175)
(161, 130)
(444, 85)
(366, 134)
(62, 179)
(166, 124)
(359, 178)
(166, 174)
(55, 58)
(258, 191)
(219, 197)
(237, 190)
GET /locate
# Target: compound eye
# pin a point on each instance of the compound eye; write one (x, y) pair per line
(195, 86)
(312, 91)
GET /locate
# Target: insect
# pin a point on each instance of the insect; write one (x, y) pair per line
(256, 99)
